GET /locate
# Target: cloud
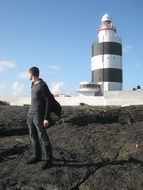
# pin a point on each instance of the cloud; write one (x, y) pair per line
(2, 86)
(17, 88)
(57, 87)
(53, 69)
(5, 65)
(23, 75)
(127, 48)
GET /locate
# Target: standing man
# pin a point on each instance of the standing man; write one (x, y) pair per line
(38, 119)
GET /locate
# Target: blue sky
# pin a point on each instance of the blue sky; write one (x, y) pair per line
(56, 36)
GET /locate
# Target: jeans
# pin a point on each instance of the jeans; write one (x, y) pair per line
(39, 137)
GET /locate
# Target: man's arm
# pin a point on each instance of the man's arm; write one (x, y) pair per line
(46, 95)
(47, 112)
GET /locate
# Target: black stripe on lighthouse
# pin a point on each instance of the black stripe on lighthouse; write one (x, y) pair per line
(106, 48)
(107, 75)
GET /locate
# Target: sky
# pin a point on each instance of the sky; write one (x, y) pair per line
(56, 36)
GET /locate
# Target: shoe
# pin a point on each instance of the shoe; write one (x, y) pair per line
(46, 165)
(34, 161)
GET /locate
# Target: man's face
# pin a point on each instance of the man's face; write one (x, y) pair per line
(29, 75)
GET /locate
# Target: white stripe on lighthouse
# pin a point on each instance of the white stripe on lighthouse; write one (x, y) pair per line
(108, 61)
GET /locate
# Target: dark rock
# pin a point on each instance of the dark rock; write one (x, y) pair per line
(93, 147)
(4, 103)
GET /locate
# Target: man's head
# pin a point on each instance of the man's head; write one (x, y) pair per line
(33, 72)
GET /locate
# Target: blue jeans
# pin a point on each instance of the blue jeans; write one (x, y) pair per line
(39, 137)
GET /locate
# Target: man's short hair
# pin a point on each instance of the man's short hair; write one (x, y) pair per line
(34, 71)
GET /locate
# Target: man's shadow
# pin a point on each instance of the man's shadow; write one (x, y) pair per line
(71, 163)
(62, 162)
(90, 163)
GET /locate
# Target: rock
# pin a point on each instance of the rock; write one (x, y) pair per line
(93, 149)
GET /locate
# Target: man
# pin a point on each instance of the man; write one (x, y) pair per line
(42, 104)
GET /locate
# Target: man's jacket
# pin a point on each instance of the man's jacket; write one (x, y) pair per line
(43, 101)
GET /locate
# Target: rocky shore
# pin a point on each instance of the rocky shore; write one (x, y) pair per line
(95, 148)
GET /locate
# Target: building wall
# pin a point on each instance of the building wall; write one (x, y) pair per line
(115, 98)
(108, 36)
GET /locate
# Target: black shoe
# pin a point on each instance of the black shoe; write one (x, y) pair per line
(47, 164)
(34, 161)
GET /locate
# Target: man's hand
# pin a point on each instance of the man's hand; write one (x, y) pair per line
(45, 123)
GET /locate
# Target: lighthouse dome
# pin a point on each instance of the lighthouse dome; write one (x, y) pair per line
(106, 18)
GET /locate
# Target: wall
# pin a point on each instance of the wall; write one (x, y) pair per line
(116, 98)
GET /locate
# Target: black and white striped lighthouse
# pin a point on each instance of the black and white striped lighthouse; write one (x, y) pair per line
(106, 62)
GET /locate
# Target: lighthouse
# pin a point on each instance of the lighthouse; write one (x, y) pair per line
(106, 61)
